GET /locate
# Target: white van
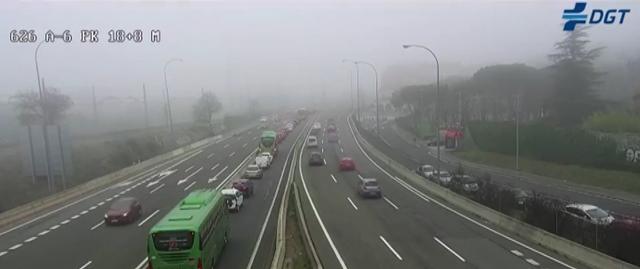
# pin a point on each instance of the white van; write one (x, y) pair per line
(312, 142)
(234, 199)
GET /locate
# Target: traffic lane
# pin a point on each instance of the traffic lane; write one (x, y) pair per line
(472, 240)
(562, 192)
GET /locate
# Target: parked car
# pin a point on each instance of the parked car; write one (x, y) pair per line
(590, 213)
(243, 185)
(443, 178)
(233, 199)
(425, 171)
(253, 172)
(316, 159)
(312, 141)
(122, 211)
(465, 183)
(369, 188)
(522, 197)
(346, 164)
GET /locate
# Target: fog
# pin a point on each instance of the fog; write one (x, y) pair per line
(291, 49)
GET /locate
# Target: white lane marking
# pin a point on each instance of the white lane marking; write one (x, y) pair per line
(315, 211)
(101, 203)
(189, 176)
(532, 262)
(65, 222)
(142, 264)
(30, 239)
(517, 253)
(210, 155)
(214, 178)
(334, 178)
(43, 233)
(97, 225)
(95, 206)
(188, 169)
(235, 170)
(324, 161)
(116, 196)
(449, 249)
(86, 265)
(84, 212)
(226, 146)
(214, 166)
(54, 227)
(391, 203)
(425, 197)
(15, 247)
(341, 150)
(352, 204)
(157, 188)
(359, 176)
(3, 253)
(109, 199)
(190, 185)
(390, 248)
(273, 202)
(231, 154)
(149, 217)
(322, 149)
(244, 145)
(75, 216)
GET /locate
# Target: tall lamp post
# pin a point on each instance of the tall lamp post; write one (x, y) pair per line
(166, 88)
(45, 133)
(377, 100)
(350, 86)
(437, 97)
(357, 86)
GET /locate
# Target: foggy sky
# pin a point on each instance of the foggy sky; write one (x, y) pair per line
(288, 48)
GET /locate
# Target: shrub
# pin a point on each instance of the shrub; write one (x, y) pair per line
(613, 122)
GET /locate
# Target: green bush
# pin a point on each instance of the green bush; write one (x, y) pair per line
(613, 122)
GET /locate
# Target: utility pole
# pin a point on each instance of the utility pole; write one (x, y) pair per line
(518, 132)
(146, 106)
(45, 134)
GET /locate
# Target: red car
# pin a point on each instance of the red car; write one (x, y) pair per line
(122, 211)
(347, 164)
(245, 186)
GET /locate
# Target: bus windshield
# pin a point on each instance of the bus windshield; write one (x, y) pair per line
(173, 240)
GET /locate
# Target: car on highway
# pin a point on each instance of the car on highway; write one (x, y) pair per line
(122, 211)
(346, 164)
(264, 159)
(233, 198)
(443, 178)
(332, 137)
(312, 141)
(369, 188)
(589, 213)
(316, 159)
(425, 171)
(243, 185)
(289, 126)
(253, 172)
(331, 127)
(315, 128)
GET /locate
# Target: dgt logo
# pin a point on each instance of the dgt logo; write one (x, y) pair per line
(575, 16)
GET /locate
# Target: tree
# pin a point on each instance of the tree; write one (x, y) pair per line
(574, 78)
(205, 107)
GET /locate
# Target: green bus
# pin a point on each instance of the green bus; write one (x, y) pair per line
(268, 143)
(192, 235)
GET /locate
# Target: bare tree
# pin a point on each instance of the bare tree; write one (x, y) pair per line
(206, 106)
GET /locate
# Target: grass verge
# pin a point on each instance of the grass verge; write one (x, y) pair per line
(609, 179)
(295, 253)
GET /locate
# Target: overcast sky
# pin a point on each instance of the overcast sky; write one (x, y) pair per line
(292, 47)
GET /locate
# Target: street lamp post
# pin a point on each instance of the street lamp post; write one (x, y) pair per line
(166, 88)
(437, 98)
(44, 124)
(357, 87)
(377, 100)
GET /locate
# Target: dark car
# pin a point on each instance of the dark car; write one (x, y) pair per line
(465, 183)
(316, 159)
(347, 164)
(122, 211)
(369, 188)
(243, 185)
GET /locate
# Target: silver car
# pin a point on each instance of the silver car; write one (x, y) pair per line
(253, 172)
(590, 213)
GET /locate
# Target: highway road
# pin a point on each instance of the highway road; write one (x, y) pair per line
(411, 155)
(404, 229)
(74, 236)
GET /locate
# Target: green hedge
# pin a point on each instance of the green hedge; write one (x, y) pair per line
(549, 143)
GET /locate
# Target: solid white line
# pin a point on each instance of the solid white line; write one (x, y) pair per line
(352, 204)
(315, 211)
(43, 233)
(65, 222)
(532, 262)
(54, 227)
(157, 188)
(30, 239)
(97, 225)
(517, 253)
(15, 247)
(334, 178)
(190, 185)
(143, 263)
(188, 169)
(391, 203)
(85, 265)
(215, 166)
(231, 154)
(149, 217)
(235, 170)
(390, 248)
(448, 248)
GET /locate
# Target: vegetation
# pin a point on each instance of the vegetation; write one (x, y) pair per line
(613, 122)
(205, 107)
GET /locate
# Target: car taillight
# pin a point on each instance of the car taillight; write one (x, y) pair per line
(199, 263)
